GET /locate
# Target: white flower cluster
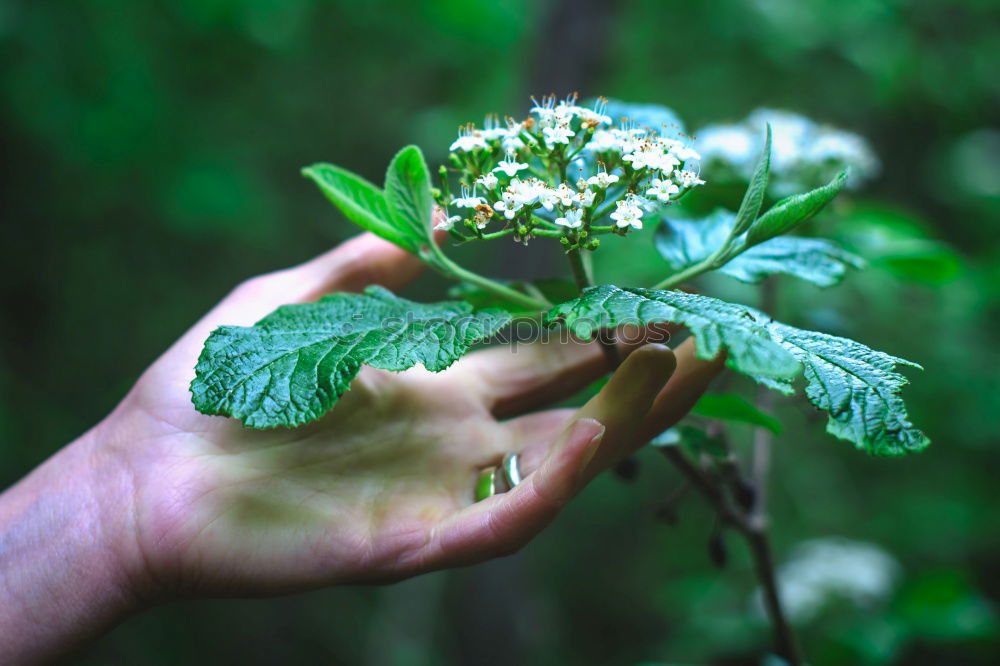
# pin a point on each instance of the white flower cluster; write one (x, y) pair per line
(804, 154)
(559, 136)
(821, 571)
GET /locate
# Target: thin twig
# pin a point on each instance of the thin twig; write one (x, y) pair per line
(763, 558)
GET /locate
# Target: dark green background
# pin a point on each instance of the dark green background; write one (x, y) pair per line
(151, 153)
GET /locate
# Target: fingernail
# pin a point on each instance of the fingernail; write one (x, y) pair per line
(593, 431)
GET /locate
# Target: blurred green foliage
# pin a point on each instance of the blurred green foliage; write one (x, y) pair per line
(152, 155)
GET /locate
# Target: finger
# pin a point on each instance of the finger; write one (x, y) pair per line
(624, 401)
(621, 405)
(502, 524)
(530, 434)
(692, 377)
(512, 380)
(363, 260)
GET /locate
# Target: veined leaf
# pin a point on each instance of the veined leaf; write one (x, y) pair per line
(732, 407)
(753, 199)
(360, 201)
(716, 325)
(789, 213)
(857, 386)
(408, 195)
(401, 214)
(294, 364)
(684, 242)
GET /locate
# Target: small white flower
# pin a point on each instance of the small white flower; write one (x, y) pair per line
(627, 215)
(604, 141)
(469, 138)
(662, 189)
(565, 194)
(492, 129)
(586, 198)
(527, 192)
(685, 153)
(650, 155)
(554, 135)
(631, 139)
(489, 181)
(573, 219)
(511, 142)
(548, 198)
(602, 179)
(596, 116)
(467, 200)
(545, 111)
(508, 205)
(447, 224)
(687, 178)
(510, 166)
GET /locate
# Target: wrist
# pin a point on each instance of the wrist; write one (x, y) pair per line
(71, 566)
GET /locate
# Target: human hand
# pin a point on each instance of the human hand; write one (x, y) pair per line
(379, 489)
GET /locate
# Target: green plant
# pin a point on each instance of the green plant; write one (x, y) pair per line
(567, 174)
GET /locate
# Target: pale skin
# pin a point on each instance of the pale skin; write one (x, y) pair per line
(158, 502)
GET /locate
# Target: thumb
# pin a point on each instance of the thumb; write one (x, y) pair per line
(597, 436)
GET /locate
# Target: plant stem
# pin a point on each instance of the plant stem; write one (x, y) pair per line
(707, 264)
(453, 270)
(583, 279)
(717, 259)
(546, 233)
(763, 558)
(754, 530)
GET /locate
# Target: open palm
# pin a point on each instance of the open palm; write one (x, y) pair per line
(382, 487)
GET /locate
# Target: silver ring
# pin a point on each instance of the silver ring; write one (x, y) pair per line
(496, 480)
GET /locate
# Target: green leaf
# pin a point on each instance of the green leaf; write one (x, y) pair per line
(716, 325)
(684, 243)
(361, 202)
(732, 407)
(900, 243)
(858, 387)
(401, 214)
(554, 290)
(789, 213)
(753, 199)
(408, 195)
(294, 364)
